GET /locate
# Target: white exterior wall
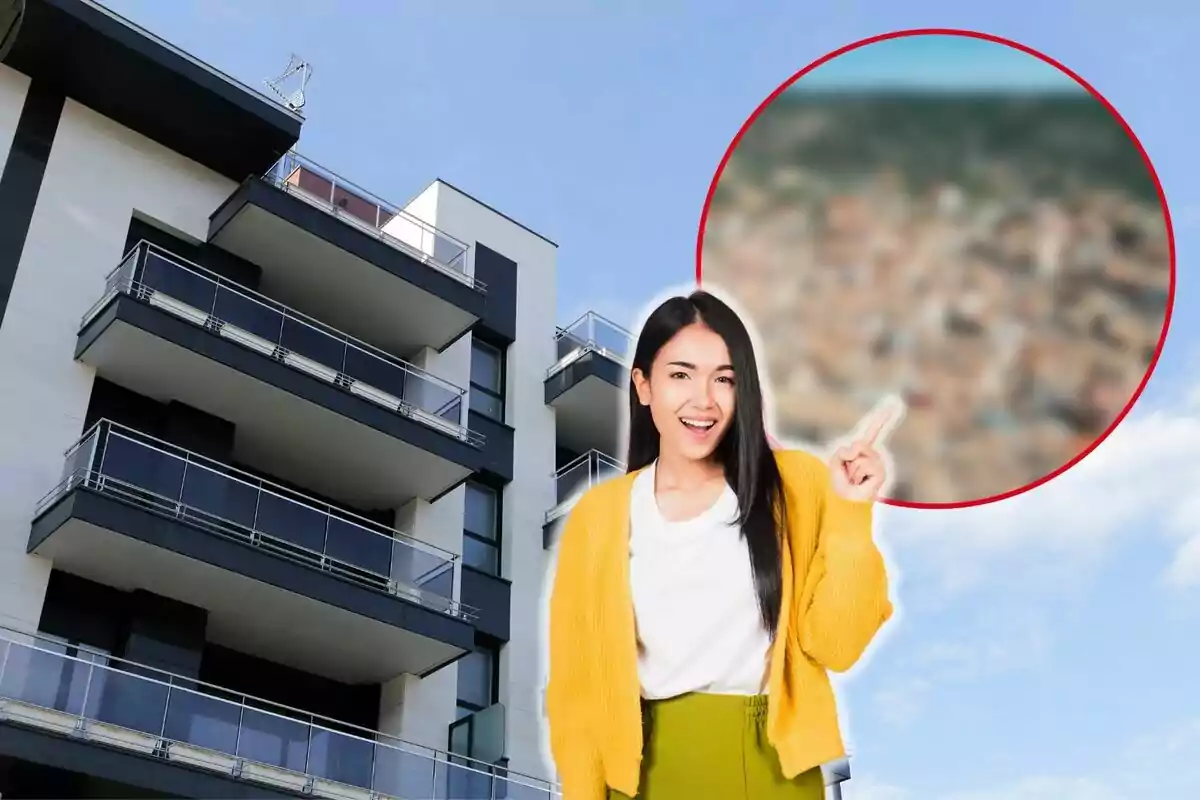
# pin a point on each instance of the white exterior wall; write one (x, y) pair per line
(22, 577)
(531, 491)
(98, 174)
(414, 226)
(452, 364)
(416, 709)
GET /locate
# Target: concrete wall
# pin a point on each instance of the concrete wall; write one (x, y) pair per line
(531, 491)
(98, 174)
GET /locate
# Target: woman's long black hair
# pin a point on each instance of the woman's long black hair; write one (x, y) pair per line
(743, 451)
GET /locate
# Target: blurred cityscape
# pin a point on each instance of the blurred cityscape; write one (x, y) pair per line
(1001, 260)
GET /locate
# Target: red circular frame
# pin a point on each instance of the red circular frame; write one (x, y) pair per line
(1162, 198)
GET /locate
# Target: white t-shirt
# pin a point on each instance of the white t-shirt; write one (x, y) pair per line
(698, 623)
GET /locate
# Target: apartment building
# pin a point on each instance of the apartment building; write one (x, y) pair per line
(277, 454)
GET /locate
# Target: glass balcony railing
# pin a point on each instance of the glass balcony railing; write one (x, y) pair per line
(305, 179)
(578, 476)
(145, 472)
(192, 293)
(592, 333)
(478, 738)
(91, 696)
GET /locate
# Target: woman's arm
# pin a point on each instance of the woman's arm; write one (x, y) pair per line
(568, 693)
(847, 582)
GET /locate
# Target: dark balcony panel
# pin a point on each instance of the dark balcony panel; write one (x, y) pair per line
(165, 633)
(345, 271)
(291, 522)
(191, 428)
(245, 314)
(491, 598)
(356, 634)
(111, 705)
(497, 446)
(572, 480)
(134, 78)
(137, 625)
(589, 397)
(588, 382)
(500, 275)
(84, 611)
(227, 265)
(315, 345)
(171, 331)
(157, 777)
(351, 704)
(383, 376)
(139, 514)
(588, 366)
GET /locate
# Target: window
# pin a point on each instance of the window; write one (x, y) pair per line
(481, 528)
(478, 680)
(478, 688)
(487, 380)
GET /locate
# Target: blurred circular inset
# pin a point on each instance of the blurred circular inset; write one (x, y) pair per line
(961, 221)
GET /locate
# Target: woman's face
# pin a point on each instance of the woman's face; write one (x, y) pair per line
(690, 392)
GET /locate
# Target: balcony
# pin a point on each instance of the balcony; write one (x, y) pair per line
(572, 480)
(349, 257)
(125, 714)
(309, 403)
(587, 384)
(282, 576)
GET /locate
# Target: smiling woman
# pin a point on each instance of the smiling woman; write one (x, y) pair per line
(701, 599)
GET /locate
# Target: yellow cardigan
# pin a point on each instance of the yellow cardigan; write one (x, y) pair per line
(835, 599)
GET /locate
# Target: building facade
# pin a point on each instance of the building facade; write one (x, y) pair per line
(281, 461)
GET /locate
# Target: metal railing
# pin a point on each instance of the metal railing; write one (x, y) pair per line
(148, 473)
(89, 695)
(591, 333)
(576, 477)
(190, 292)
(307, 180)
(478, 737)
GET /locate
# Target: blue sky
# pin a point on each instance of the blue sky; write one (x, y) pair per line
(1046, 647)
(922, 62)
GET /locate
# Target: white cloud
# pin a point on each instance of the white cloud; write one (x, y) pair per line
(1138, 485)
(1184, 571)
(1022, 647)
(1004, 639)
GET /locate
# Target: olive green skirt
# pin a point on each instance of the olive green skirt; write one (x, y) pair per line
(714, 747)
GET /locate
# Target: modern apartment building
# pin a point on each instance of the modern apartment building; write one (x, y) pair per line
(276, 453)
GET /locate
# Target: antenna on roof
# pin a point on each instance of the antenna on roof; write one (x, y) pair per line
(296, 75)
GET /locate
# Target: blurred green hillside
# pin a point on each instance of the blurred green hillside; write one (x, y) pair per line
(1037, 146)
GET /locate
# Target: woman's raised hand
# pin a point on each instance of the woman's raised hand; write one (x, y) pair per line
(857, 469)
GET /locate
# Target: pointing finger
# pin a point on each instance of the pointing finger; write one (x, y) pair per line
(881, 422)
